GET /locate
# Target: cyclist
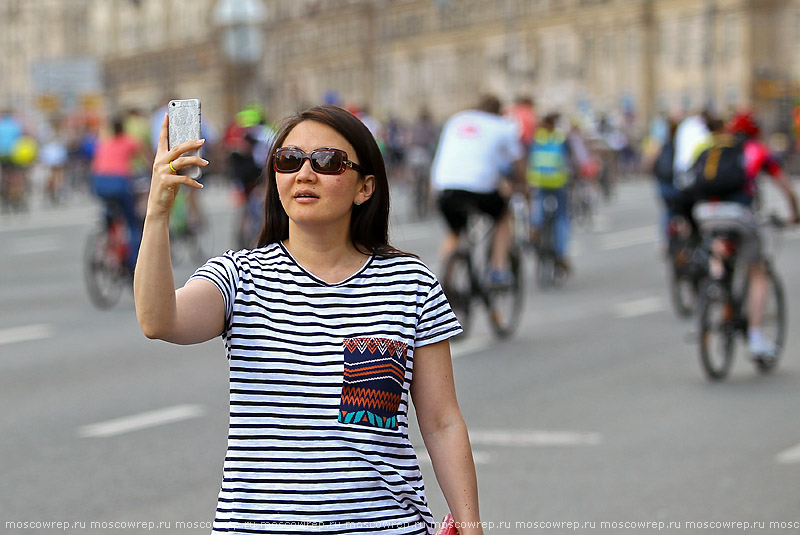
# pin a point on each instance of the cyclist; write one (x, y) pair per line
(756, 157)
(523, 112)
(248, 140)
(476, 149)
(10, 133)
(423, 136)
(112, 180)
(548, 173)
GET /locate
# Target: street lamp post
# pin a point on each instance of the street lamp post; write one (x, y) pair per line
(239, 24)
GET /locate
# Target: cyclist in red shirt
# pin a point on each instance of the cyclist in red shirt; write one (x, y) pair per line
(757, 158)
(112, 180)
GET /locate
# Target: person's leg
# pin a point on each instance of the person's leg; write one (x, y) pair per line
(667, 200)
(502, 243)
(757, 294)
(562, 225)
(452, 209)
(128, 201)
(120, 190)
(102, 189)
(448, 246)
(496, 206)
(756, 298)
(751, 258)
(537, 209)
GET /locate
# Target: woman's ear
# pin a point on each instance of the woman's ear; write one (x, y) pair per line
(365, 190)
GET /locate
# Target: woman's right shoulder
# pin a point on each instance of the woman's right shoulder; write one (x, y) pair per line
(260, 257)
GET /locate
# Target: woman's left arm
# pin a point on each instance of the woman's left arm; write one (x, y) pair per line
(445, 434)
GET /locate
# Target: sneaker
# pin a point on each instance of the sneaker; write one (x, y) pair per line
(501, 278)
(761, 349)
(563, 265)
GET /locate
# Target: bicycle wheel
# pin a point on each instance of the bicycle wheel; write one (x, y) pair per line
(505, 303)
(717, 332)
(773, 324)
(581, 204)
(103, 270)
(545, 256)
(421, 193)
(201, 240)
(683, 292)
(457, 286)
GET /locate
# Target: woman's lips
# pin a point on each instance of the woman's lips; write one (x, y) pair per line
(305, 196)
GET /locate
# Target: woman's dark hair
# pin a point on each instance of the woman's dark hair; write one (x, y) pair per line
(369, 222)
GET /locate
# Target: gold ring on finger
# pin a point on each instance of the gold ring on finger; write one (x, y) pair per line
(172, 168)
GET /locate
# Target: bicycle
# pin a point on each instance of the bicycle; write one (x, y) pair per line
(687, 264)
(582, 202)
(106, 272)
(549, 272)
(251, 217)
(723, 307)
(419, 161)
(465, 280)
(190, 233)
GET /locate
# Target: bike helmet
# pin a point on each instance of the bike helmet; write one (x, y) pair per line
(744, 123)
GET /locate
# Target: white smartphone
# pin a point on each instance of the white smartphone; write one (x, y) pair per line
(184, 125)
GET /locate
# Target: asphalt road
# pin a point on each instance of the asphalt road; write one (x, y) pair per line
(596, 412)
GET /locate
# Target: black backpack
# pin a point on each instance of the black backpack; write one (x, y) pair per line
(719, 170)
(663, 166)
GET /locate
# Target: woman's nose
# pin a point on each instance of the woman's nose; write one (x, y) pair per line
(306, 174)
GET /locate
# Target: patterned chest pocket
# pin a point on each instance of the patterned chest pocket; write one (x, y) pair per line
(374, 373)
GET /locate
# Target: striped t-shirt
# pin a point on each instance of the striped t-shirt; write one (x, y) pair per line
(319, 388)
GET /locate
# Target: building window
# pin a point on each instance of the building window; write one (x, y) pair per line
(731, 36)
(797, 27)
(682, 44)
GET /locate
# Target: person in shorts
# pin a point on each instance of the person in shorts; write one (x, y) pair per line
(478, 149)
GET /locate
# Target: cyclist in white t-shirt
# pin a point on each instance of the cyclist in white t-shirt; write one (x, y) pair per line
(478, 148)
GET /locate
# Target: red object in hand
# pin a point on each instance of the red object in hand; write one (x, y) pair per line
(448, 526)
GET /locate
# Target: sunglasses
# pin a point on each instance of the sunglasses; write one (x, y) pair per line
(325, 161)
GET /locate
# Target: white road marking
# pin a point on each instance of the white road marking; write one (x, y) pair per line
(528, 438)
(601, 223)
(50, 219)
(640, 307)
(790, 456)
(35, 244)
(25, 333)
(143, 420)
(629, 238)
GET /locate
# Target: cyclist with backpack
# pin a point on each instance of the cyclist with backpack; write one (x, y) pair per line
(727, 171)
(548, 173)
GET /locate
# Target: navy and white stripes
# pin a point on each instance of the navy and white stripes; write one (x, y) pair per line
(292, 466)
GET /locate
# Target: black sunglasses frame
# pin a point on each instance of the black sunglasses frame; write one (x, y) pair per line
(309, 156)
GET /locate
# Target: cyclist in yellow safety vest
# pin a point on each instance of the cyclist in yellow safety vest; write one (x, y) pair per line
(548, 175)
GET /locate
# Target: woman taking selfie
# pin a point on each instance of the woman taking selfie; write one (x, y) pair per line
(329, 332)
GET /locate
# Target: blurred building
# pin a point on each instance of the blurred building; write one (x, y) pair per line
(36, 37)
(590, 57)
(156, 50)
(632, 58)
